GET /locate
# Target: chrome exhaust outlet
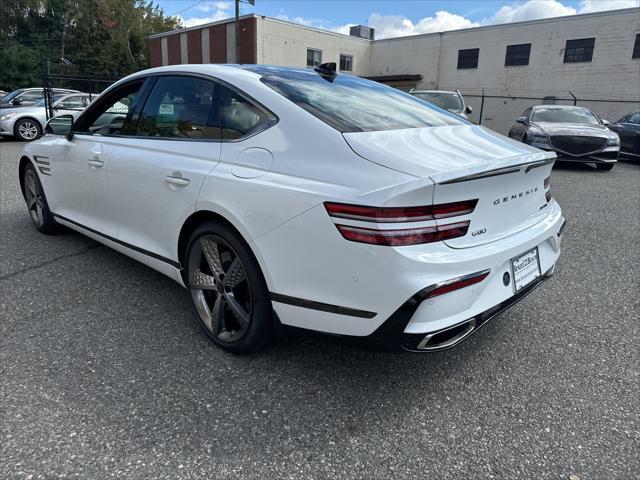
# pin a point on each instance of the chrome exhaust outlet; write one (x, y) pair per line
(447, 337)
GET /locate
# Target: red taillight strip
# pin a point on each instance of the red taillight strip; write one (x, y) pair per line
(405, 236)
(399, 214)
(458, 283)
(547, 188)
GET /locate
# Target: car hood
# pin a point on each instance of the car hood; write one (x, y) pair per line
(437, 152)
(552, 128)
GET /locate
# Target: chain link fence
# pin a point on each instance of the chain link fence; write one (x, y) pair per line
(499, 112)
(56, 88)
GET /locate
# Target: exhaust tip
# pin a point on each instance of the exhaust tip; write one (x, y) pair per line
(447, 337)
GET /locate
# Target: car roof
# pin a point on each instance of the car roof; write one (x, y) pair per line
(560, 107)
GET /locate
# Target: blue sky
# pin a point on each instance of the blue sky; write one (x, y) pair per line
(392, 18)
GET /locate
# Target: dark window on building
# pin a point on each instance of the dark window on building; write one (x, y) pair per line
(636, 47)
(517, 55)
(314, 57)
(579, 50)
(468, 58)
(346, 63)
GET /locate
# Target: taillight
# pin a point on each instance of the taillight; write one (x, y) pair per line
(399, 214)
(458, 284)
(547, 189)
(403, 236)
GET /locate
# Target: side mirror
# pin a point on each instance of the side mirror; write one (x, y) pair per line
(468, 109)
(521, 120)
(61, 125)
(16, 101)
(604, 121)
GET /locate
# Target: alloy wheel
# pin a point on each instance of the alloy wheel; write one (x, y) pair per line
(220, 288)
(28, 130)
(33, 195)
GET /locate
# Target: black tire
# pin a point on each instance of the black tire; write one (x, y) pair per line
(37, 202)
(27, 130)
(604, 166)
(224, 285)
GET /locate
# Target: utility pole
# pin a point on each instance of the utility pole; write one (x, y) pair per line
(251, 2)
(237, 31)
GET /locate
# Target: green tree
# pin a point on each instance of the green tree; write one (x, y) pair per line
(98, 37)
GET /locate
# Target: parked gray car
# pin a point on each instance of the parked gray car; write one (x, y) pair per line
(25, 97)
(574, 133)
(27, 123)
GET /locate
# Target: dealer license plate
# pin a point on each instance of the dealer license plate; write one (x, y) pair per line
(525, 268)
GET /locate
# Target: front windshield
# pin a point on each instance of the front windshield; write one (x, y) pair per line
(352, 104)
(10, 96)
(446, 100)
(564, 115)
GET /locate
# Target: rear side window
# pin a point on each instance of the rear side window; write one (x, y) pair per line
(181, 107)
(239, 116)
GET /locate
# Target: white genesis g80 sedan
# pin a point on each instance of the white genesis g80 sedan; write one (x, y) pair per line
(302, 198)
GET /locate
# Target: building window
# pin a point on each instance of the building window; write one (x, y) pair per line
(579, 50)
(468, 58)
(346, 63)
(314, 57)
(636, 47)
(517, 55)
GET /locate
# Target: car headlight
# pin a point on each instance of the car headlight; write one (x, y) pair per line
(7, 116)
(613, 141)
(536, 135)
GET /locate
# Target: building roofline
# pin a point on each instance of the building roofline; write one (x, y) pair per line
(421, 35)
(198, 27)
(515, 24)
(314, 29)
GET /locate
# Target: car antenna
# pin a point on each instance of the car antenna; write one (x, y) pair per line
(327, 71)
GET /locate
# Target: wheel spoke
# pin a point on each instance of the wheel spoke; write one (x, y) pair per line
(238, 310)
(39, 213)
(31, 185)
(217, 315)
(31, 201)
(210, 250)
(202, 281)
(235, 274)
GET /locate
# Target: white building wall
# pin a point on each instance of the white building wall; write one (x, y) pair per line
(612, 72)
(284, 43)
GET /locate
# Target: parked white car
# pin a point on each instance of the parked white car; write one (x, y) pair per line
(321, 201)
(27, 123)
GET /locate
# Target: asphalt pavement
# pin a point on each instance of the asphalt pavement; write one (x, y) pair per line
(105, 374)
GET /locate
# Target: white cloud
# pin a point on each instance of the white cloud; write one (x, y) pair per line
(529, 10)
(193, 21)
(208, 6)
(399, 26)
(587, 6)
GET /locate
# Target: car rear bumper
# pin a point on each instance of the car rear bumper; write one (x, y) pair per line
(335, 286)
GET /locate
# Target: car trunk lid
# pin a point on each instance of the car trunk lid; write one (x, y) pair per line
(467, 162)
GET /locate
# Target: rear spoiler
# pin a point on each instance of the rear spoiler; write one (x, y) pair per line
(447, 178)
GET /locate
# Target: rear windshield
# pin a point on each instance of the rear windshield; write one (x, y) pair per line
(564, 115)
(352, 104)
(449, 101)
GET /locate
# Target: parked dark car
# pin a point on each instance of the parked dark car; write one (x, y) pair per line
(25, 97)
(628, 129)
(574, 133)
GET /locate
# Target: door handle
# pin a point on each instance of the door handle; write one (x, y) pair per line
(179, 181)
(94, 162)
